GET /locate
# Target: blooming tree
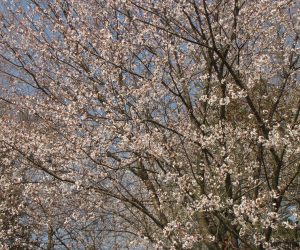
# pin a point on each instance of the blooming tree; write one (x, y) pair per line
(164, 124)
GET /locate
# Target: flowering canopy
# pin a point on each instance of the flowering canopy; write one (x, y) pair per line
(165, 124)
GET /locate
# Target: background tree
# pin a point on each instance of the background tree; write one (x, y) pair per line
(168, 124)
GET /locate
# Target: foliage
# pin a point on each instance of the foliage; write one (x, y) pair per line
(154, 124)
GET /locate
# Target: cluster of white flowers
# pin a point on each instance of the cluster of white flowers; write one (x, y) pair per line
(161, 124)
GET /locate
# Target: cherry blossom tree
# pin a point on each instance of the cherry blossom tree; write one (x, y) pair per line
(152, 124)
